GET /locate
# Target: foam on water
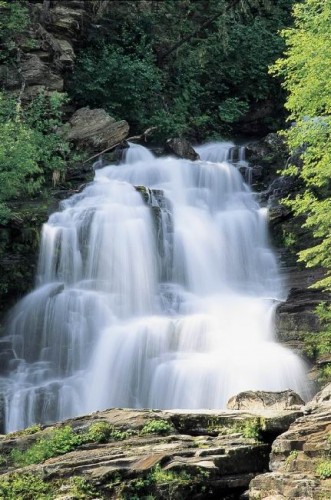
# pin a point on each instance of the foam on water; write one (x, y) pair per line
(161, 297)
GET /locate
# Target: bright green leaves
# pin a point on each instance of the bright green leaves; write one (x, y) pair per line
(306, 71)
(32, 150)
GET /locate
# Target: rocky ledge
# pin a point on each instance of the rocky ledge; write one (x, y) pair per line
(300, 460)
(147, 454)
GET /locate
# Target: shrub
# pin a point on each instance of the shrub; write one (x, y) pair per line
(101, 432)
(323, 470)
(157, 427)
(32, 152)
(24, 487)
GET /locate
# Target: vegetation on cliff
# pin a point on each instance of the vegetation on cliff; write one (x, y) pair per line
(190, 68)
(306, 72)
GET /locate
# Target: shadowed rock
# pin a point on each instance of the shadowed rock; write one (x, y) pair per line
(182, 148)
(96, 129)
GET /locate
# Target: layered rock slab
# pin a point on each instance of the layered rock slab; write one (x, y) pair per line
(166, 454)
(300, 460)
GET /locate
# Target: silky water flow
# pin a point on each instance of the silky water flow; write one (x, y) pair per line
(156, 288)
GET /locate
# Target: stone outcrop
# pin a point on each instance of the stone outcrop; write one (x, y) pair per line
(261, 400)
(182, 148)
(166, 454)
(19, 255)
(300, 458)
(95, 129)
(296, 319)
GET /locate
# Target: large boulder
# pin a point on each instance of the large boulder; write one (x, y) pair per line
(182, 148)
(262, 400)
(95, 129)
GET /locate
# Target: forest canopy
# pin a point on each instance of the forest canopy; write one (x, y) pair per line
(190, 68)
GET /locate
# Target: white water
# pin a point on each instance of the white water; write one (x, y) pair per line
(166, 305)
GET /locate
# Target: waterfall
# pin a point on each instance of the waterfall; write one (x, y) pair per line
(156, 288)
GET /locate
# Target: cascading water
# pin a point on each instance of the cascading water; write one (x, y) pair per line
(160, 296)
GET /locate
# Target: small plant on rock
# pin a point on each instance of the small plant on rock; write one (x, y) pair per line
(323, 470)
(157, 427)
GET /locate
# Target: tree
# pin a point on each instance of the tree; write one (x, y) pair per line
(191, 68)
(306, 71)
(32, 152)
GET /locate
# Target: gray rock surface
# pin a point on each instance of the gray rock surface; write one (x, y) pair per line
(299, 457)
(174, 454)
(182, 148)
(96, 129)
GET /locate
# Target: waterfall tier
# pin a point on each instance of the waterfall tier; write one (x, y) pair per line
(156, 288)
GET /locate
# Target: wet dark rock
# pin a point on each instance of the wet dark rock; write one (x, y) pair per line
(267, 151)
(9, 77)
(36, 72)
(296, 317)
(182, 148)
(66, 19)
(254, 122)
(6, 356)
(161, 209)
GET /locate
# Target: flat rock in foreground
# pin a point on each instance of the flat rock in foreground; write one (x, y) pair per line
(152, 454)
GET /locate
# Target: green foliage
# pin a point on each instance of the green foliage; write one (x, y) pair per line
(14, 20)
(232, 109)
(192, 68)
(171, 482)
(323, 470)
(58, 442)
(32, 152)
(306, 74)
(318, 344)
(102, 432)
(250, 428)
(28, 431)
(63, 440)
(157, 427)
(291, 458)
(24, 487)
(124, 84)
(324, 375)
(81, 489)
(288, 239)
